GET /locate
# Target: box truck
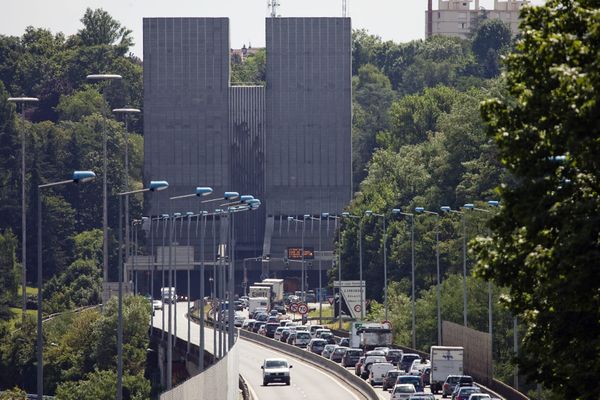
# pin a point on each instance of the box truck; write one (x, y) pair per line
(445, 360)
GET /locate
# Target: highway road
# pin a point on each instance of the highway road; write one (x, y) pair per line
(308, 382)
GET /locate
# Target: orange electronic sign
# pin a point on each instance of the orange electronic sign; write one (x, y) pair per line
(295, 253)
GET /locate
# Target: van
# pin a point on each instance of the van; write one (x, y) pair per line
(302, 339)
(378, 372)
(313, 329)
(369, 360)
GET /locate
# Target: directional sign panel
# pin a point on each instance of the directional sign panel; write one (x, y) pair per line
(351, 293)
(294, 307)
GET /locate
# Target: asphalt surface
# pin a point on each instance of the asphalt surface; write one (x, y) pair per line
(307, 381)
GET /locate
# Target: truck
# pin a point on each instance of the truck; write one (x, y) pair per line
(368, 335)
(256, 302)
(276, 287)
(259, 291)
(168, 295)
(445, 360)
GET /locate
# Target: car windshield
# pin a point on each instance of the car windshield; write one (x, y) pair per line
(276, 364)
(303, 335)
(404, 389)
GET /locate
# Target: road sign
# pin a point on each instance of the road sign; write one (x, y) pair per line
(330, 299)
(302, 308)
(294, 307)
(387, 324)
(357, 308)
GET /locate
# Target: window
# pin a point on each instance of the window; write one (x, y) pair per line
(462, 25)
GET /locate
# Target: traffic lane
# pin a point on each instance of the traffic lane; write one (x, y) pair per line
(307, 381)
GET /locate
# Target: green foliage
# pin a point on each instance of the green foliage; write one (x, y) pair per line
(491, 38)
(9, 273)
(99, 28)
(102, 385)
(545, 240)
(252, 71)
(18, 354)
(13, 394)
(82, 103)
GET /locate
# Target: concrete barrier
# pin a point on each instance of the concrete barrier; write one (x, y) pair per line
(327, 365)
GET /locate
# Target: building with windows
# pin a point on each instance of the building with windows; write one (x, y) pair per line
(458, 17)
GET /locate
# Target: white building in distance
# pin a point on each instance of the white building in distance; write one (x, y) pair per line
(457, 17)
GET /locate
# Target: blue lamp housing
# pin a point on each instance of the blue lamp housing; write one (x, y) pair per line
(231, 195)
(493, 203)
(83, 176)
(369, 213)
(325, 215)
(290, 218)
(445, 208)
(165, 216)
(203, 191)
(245, 198)
(157, 186)
(176, 215)
(345, 214)
(189, 214)
(306, 216)
(396, 211)
(469, 206)
(419, 209)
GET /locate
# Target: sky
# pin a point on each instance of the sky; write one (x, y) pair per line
(398, 20)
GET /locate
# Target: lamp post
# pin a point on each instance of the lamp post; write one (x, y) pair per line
(110, 78)
(412, 271)
(421, 210)
(385, 286)
(200, 191)
(447, 209)
(203, 215)
(165, 218)
(360, 261)
(126, 112)
(23, 101)
(78, 177)
(302, 279)
(155, 186)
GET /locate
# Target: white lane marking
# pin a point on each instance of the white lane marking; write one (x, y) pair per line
(253, 394)
(319, 370)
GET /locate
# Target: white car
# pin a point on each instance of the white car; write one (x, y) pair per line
(238, 319)
(403, 391)
(418, 366)
(378, 372)
(276, 370)
(302, 339)
(480, 396)
(157, 304)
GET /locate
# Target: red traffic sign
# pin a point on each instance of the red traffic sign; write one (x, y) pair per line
(330, 299)
(387, 324)
(294, 307)
(357, 308)
(302, 308)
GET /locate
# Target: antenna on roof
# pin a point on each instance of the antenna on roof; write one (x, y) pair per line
(344, 8)
(273, 4)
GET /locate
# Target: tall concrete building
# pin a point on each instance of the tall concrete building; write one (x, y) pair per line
(288, 143)
(457, 17)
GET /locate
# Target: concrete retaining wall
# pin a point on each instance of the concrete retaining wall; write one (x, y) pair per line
(331, 367)
(202, 386)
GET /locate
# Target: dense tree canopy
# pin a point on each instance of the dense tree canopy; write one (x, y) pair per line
(545, 243)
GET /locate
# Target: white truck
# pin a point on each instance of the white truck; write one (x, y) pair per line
(368, 335)
(168, 295)
(256, 302)
(276, 287)
(259, 291)
(445, 360)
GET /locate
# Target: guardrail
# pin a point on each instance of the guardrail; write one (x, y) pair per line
(331, 367)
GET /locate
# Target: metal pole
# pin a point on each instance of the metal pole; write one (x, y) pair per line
(189, 320)
(170, 317)
(120, 309)
(302, 269)
(231, 283)
(214, 289)
(362, 287)
(162, 272)
(201, 302)
(437, 258)
(23, 218)
(412, 295)
(40, 338)
(340, 276)
(174, 241)
(385, 288)
(516, 349)
(104, 204)
(152, 267)
(464, 270)
(320, 274)
(127, 244)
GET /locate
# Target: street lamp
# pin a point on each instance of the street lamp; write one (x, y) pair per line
(412, 271)
(78, 177)
(155, 186)
(126, 112)
(368, 213)
(360, 261)
(200, 191)
(421, 210)
(23, 101)
(447, 209)
(110, 78)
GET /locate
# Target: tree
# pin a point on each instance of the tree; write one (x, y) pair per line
(102, 385)
(490, 39)
(81, 103)
(9, 273)
(545, 238)
(99, 28)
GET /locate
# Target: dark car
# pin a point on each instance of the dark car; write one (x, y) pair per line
(316, 346)
(426, 376)
(280, 308)
(344, 342)
(271, 327)
(393, 356)
(463, 392)
(390, 378)
(351, 357)
(291, 338)
(338, 354)
(257, 326)
(285, 334)
(415, 380)
(452, 381)
(328, 337)
(406, 362)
